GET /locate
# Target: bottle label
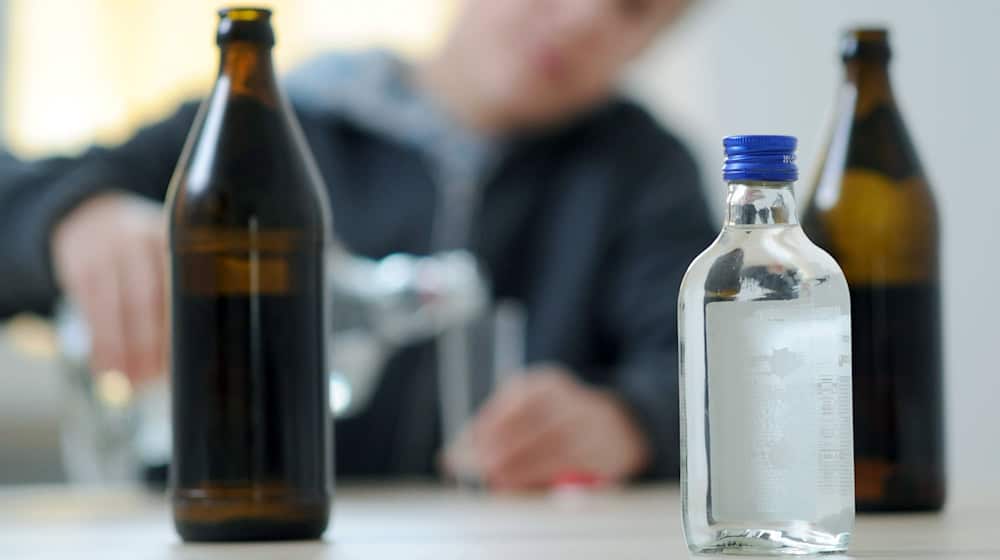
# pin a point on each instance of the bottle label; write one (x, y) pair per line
(779, 410)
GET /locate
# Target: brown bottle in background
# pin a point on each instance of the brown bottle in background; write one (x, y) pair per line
(248, 225)
(873, 211)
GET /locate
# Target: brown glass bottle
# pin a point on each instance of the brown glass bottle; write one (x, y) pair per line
(248, 224)
(873, 211)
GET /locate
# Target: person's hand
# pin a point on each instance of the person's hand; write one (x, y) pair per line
(544, 424)
(109, 259)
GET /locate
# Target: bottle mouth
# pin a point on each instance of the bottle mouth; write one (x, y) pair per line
(242, 13)
(866, 43)
(252, 25)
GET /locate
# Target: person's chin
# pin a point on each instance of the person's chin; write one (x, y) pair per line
(529, 106)
(542, 119)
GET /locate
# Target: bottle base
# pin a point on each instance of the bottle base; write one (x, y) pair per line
(245, 518)
(772, 542)
(243, 530)
(874, 508)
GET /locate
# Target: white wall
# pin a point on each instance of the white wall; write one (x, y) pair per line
(737, 66)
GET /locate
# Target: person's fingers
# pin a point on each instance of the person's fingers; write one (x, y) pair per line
(521, 409)
(510, 395)
(516, 461)
(531, 419)
(517, 430)
(503, 398)
(526, 404)
(98, 295)
(498, 406)
(537, 465)
(548, 423)
(464, 455)
(104, 262)
(158, 246)
(140, 300)
(461, 458)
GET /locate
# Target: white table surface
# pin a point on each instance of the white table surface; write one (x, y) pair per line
(407, 522)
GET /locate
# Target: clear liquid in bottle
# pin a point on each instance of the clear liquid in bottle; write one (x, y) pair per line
(767, 456)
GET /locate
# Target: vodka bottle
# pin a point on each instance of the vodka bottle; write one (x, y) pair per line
(765, 371)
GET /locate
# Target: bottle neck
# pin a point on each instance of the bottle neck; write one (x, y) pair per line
(760, 203)
(870, 79)
(248, 69)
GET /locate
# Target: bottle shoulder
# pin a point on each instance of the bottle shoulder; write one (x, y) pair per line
(761, 263)
(245, 160)
(781, 246)
(879, 229)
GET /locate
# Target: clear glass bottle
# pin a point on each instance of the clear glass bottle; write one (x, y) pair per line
(765, 372)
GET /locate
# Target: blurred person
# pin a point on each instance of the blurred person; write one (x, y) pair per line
(512, 141)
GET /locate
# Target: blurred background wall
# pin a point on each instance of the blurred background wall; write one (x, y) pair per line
(76, 70)
(80, 70)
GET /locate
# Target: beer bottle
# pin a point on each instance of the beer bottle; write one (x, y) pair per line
(248, 224)
(872, 209)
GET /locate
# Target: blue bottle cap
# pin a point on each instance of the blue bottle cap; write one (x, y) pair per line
(760, 158)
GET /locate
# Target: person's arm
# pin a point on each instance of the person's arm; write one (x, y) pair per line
(550, 424)
(26, 284)
(35, 196)
(665, 226)
(91, 229)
